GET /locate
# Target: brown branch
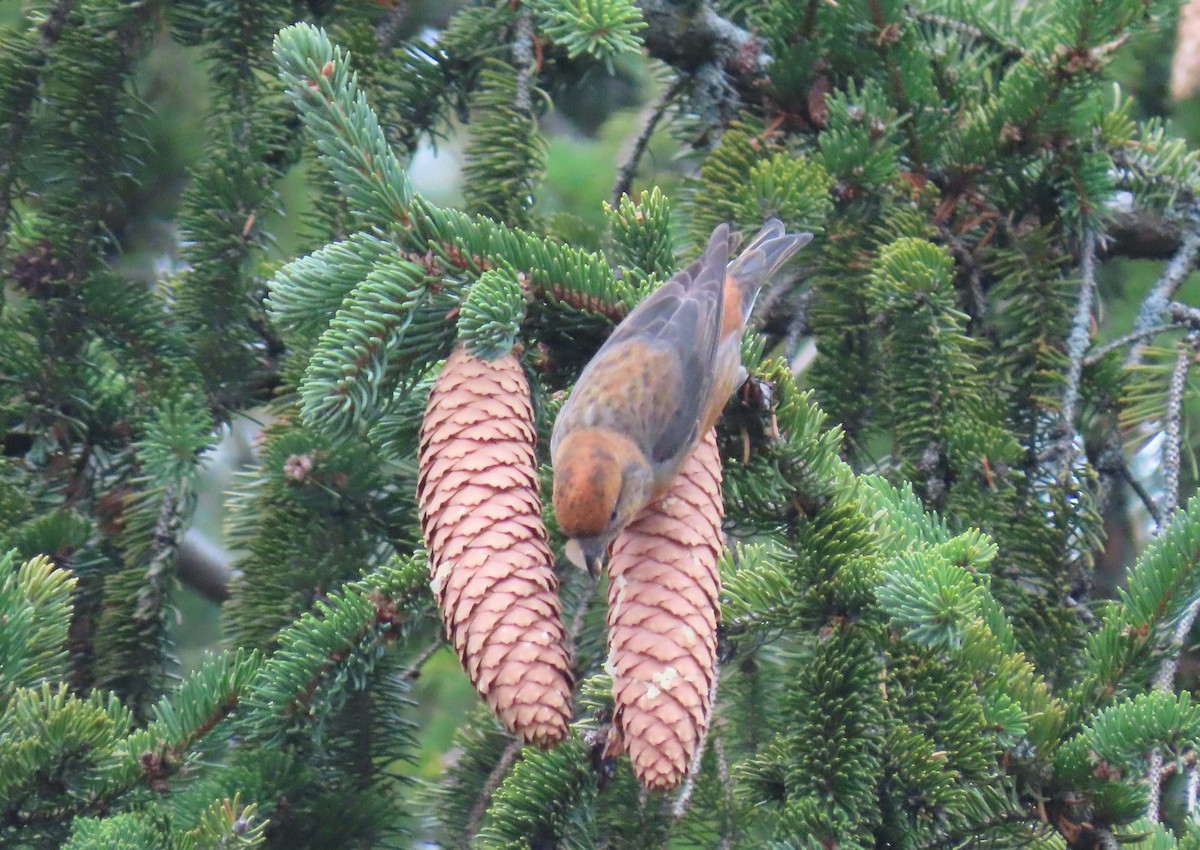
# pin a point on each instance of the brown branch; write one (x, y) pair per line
(475, 819)
(629, 167)
(686, 37)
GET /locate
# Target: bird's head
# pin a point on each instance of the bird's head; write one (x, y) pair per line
(601, 481)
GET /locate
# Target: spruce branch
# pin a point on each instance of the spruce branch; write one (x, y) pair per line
(20, 104)
(204, 566)
(973, 32)
(1098, 353)
(687, 37)
(1156, 303)
(683, 799)
(1164, 681)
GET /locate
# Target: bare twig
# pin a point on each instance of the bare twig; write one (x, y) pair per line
(1100, 352)
(684, 798)
(581, 609)
(503, 765)
(1144, 497)
(1164, 680)
(413, 670)
(523, 59)
(1174, 425)
(1156, 303)
(1077, 346)
(654, 115)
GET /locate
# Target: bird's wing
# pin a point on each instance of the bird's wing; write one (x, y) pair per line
(672, 335)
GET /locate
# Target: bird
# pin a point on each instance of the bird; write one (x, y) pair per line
(655, 388)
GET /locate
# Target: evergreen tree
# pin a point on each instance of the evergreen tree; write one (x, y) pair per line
(911, 650)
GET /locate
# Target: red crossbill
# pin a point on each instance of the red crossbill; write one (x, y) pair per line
(655, 387)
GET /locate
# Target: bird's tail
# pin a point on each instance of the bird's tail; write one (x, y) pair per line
(770, 249)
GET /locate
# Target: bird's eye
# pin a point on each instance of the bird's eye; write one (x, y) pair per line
(613, 517)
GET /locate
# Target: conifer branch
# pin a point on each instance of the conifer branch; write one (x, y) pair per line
(1164, 681)
(1172, 446)
(681, 35)
(1100, 352)
(684, 798)
(629, 165)
(413, 670)
(52, 28)
(1011, 52)
(495, 778)
(1158, 300)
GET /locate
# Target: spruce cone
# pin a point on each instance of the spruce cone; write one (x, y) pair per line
(1185, 67)
(490, 564)
(662, 622)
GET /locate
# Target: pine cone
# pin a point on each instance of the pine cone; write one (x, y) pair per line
(662, 622)
(1185, 67)
(490, 564)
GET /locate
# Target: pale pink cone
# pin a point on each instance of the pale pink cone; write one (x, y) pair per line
(662, 622)
(1185, 67)
(490, 565)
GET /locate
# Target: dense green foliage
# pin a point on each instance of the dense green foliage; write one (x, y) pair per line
(920, 473)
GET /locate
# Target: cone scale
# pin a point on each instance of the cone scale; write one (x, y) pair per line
(662, 623)
(490, 563)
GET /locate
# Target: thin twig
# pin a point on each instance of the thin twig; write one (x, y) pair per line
(413, 670)
(1077, 346)
(629, 167)
(1100, 352)
(1164, 681)
(680, 807)
(1144, 496)
(581, 609)
(52, 28)
(503, 765)
(524, 59)
(962, 28)
(727, 835)
(1159, 299)
(1172, 447)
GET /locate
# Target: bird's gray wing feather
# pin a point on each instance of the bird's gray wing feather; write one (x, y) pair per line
(682, 318)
